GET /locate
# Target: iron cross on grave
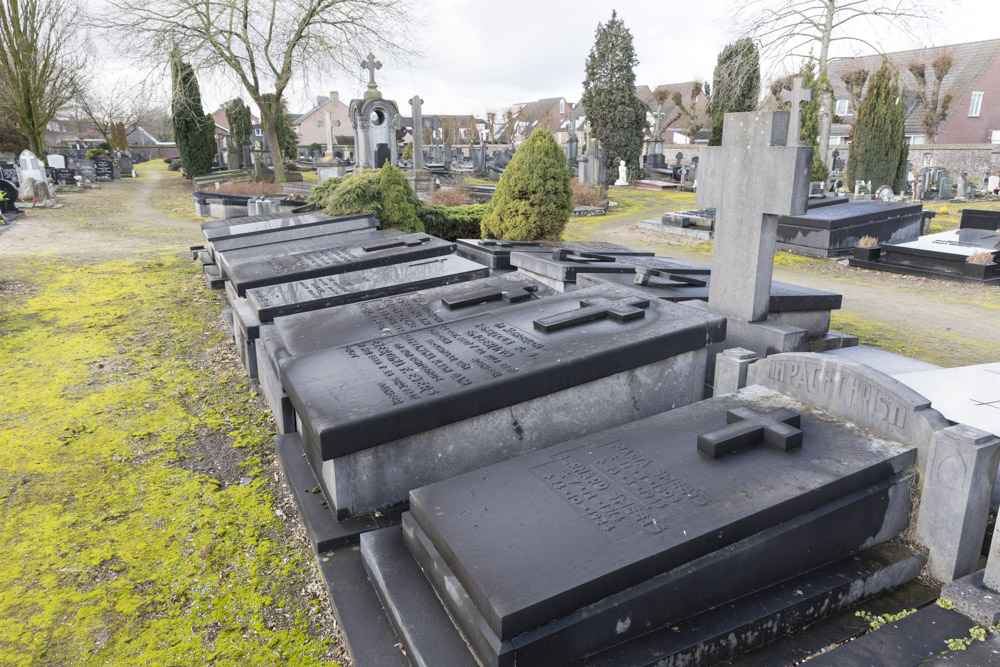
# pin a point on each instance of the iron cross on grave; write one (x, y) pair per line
(747, 428)
(797, 95)
(619, 310)
(751, 179)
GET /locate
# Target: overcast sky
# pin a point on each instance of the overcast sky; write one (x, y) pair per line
(479, 56)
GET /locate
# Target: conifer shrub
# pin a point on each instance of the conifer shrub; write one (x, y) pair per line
(398, 212)
(408, 150)
(879, 150)
(533, 199)
(453, 222)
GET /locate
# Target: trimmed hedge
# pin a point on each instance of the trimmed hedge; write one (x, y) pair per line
(453, 222)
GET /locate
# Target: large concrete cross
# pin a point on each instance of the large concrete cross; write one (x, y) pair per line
(751, 179)
(797, 95)
(371, 65)
(418, 132)
(330, 124)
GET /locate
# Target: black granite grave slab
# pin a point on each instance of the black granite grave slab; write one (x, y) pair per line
(272, 225)
(564, 266)
(979, 219)
(343, 257)
(830, 231)
(326, 291)
(358, 396)
(260, 252)
(334, 226)
(564, 552)
(941, 255)
(496, 254)
(229, 222)
(294, 335)
(784, 297)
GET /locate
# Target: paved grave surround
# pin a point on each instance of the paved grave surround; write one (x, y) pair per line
(380, 417)
(270, 225)
(496, 254)
(567, 551)
(340, 257)
(942, 255)
(303, 333)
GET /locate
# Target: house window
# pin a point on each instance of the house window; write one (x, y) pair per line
(916, 139)
(975, 105)
(841, 107)
(562, 106)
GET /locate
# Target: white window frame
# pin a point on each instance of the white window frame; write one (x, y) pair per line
(841, 107)
(562, 106)
(976, 104)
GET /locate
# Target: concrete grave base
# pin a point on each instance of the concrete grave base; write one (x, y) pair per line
(973, 600)
(373, 478)
(560, 286)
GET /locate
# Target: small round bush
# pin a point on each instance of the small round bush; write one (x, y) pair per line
(533, 199)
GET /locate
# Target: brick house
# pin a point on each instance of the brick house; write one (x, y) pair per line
(311, 125)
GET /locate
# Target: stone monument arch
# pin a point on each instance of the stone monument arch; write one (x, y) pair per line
(373, 120)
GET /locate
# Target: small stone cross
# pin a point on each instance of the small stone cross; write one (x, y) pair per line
(747, 428)
(619, 310)
(490, 243)
(397, 243)
(566, 255)
(643, 274)
(512, 294)
(371, 65)
(797, 95)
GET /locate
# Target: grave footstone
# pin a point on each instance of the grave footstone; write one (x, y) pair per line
(597, 542)
(377, 418)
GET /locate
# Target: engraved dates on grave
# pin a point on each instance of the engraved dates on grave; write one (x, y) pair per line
(417, 366)
(328, 256)
(400, 313)
(618, 490)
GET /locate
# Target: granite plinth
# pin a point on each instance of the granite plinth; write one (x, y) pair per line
(335, 225)
(496, 254)
(302, 333)
(835, 230)
(942, 255)
(379, 417)
(344, 257)
(327, 291)
(570, 550)
(269, 224)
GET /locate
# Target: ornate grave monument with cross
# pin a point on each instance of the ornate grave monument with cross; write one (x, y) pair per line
(420, 178)
(373, 120)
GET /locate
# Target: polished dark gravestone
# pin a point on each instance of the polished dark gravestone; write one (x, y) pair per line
(271, 224)
(331, 260)
(979, 219)
(496, 254)
(338, 225)
(563, 553)
(384, 416)
(303, 333)
(299, 296)
(789, 304)
(561, 268)
(942, 255)
(835, 230)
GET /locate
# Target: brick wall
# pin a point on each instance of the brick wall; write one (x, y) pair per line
(975, 159)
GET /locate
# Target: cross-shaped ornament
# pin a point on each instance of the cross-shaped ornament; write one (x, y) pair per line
(566, 255)
(511, 294)
(797, 95)
(397, 243)
(643, 274)
(747, 428)
(620, 310)
(371, 65)
(493, 243)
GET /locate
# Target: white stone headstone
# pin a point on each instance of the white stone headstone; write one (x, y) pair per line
(31, 166)
(994, 182)
(56, 161)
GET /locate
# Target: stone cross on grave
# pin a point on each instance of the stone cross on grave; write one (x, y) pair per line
(748, 428)
(620, 310)
(797, 95)
(398, 243)
(512, 294)
(371, 65)
(751, 180)
(418, 132)
(643, 275)
(567, 255)
(330, 124)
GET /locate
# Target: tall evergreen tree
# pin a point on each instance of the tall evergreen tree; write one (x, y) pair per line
(735, 84)
(193, 141)
(288, 142)
(879, 151)
(809, 134)
(616, 115)
(240, 122)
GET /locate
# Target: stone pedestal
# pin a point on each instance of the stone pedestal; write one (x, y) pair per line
(421, 180)
(731, 370)
(956, 499)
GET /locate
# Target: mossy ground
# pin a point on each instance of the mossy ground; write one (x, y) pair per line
(142, 519)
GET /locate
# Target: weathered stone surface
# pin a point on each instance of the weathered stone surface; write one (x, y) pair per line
(731, 370)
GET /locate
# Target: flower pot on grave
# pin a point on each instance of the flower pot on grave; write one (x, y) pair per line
(867, 254)
(981, 271)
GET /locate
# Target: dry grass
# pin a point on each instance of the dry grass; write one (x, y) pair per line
(980, 257)
(454, 196)
(868, 242)
(255, 189)
(584, 195)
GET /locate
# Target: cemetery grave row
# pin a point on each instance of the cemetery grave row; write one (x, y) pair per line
(513, 457)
